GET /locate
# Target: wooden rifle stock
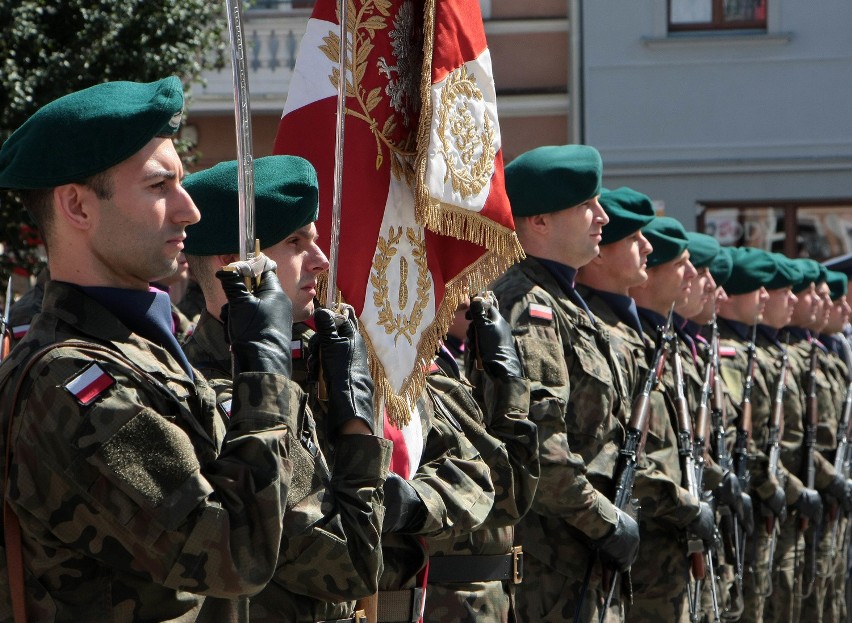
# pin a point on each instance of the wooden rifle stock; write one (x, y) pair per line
(811, 421)
(776, 429)
(685, 440)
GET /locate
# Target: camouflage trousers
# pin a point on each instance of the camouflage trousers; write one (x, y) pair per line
(757, 581)
(547, 596)
(825, 603)
(784, 604)
(469, 602)
(660, 575)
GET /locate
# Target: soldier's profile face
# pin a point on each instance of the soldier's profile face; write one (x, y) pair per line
(672, 280)
(138, 233)
(575, 233)
(299, 261)
(626, 261)
(779, 307)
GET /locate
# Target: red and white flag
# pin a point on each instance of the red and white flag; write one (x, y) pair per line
(425, 218)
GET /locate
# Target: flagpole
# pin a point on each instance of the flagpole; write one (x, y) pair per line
(337, 193)
(242, 115)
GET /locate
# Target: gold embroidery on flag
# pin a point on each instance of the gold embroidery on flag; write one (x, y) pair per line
(462, 136)
(364, 21)
(399, 324)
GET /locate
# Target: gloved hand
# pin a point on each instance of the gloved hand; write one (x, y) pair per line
(621, 546)
(404, 511)
(840, 490)
(490, 337)
(777, 504)
(704, 526)
(340, 351)
(809, 505)
(729, 493)
(258, 325)
(747, 520)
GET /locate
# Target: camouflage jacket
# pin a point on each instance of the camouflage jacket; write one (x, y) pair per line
(22, 311)
(733, 356)
(507, 442)
(577, 396)
(658, 482)
(452, 481)
(135, 498)
(192, 302)
(330, 554)
(799, 350)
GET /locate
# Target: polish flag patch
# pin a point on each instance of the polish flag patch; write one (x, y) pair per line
(89, 384)
(296, 349)
(542, 312)
(727, 351)
(20, 331)
(225, 407)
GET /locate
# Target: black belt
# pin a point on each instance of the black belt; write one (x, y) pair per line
(401, 606)
(359, 617)
(468, 569)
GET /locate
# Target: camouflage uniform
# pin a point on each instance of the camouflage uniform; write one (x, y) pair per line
(330, 552)
(452, 481)
(821, 604)
(577, 395)
(134, 496)
(22, 311)
(508, 443)
(659, 589)
(192, 302)
(733, 342)
(663, 596)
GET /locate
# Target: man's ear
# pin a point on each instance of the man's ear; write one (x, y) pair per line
(74, 205)
(226, 259)
(539, 223)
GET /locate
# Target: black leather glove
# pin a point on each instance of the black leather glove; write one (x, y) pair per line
(809, 505)
(404, 511)
(777, 504)
(621, 546)
(840, 490)
(747, 520)
(729, 494)
(258, 325)
(490, 338)
(340, 351)
(704, 526)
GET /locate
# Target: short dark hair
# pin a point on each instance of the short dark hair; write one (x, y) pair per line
(39, 202)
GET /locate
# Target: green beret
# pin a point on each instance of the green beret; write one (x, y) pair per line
(787, 274)
(702, 249)
(811, 273)
(668, 237)
(751, 270)
(720, 267)
(838, 284)
(552, 178)
(89, 131)
(628, 212)
(286, 199)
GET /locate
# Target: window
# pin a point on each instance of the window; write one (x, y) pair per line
(819, 230)
(688, 15)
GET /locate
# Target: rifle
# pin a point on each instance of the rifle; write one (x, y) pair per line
(5, 330)
(701, 560)
(634, 442)
(773, 451)
(811, 420)
(844, 429)
(733, 536)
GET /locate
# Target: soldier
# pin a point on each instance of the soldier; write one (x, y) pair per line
(133, 498)
(330, 553)
(474, 576)
(835, 541)
(22, 311)
(606, 283)
(752, 272)
(829, 385)
(577, 388)
(661, 575)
